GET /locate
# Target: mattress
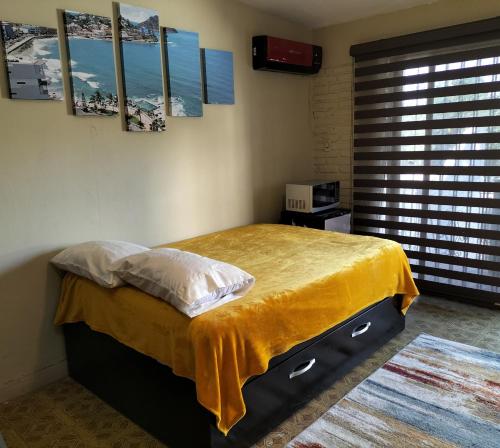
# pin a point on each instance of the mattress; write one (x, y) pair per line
(307, 281)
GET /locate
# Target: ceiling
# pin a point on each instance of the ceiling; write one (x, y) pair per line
(319, 13)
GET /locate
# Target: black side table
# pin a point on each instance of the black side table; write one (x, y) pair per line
(335, 219)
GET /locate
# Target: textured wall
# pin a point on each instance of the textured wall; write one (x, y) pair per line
(332, 126)
(66, 179)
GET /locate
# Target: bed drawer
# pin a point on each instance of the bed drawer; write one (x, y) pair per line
(165, 405)
(293, 382)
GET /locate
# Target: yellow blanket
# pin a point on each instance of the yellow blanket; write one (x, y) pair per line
(307, 281)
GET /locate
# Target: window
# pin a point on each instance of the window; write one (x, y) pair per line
(427, 154)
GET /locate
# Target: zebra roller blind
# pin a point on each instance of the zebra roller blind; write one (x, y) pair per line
(427, 154)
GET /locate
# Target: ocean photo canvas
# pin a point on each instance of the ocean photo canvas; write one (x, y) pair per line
(218, 78)
(141, 68)
(89, 41)
(182, 54)
(33, 61)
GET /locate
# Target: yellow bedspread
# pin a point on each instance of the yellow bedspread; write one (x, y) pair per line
(306, 282)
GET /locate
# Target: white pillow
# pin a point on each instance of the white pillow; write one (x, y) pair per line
(191, 283)
(93, 260)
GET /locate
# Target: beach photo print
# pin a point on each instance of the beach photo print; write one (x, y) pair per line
(182, 56)
(141, 68)
(89, 42)
(218, 78)
(33, 61)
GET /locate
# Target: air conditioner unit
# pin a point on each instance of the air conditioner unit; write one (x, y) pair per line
(282, 55)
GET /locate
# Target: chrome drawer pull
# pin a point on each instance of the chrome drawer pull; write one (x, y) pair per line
(363, 328)
(302, 370)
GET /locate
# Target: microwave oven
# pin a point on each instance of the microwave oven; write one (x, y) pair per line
(312, 196)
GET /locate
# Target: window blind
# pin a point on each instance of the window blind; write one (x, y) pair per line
(427, 154)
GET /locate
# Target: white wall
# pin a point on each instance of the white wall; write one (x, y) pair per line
(66, 179)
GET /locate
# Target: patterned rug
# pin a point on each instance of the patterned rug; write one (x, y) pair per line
(433, 393)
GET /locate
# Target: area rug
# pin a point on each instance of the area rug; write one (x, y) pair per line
(433, 393)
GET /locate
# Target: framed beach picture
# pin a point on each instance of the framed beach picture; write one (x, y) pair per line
(141, 68)
(218, 78)
(182, 56)
(33, 61)
(89, 41)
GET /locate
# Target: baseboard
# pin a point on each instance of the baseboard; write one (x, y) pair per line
(29, 383)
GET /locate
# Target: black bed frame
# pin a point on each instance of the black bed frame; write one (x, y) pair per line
(165, 405)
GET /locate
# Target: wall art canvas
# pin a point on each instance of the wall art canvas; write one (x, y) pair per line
(218, 79)
(89, 41)
(33, 61)
(182, 54)
(141, 68)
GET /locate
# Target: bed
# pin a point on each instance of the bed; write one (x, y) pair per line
(322, 303)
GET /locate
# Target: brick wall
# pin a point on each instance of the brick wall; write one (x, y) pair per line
(331, 109)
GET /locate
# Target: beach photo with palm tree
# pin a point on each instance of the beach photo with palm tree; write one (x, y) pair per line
(91, 64)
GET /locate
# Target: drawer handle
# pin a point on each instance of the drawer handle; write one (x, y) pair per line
(302, 368)
(363, 328)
